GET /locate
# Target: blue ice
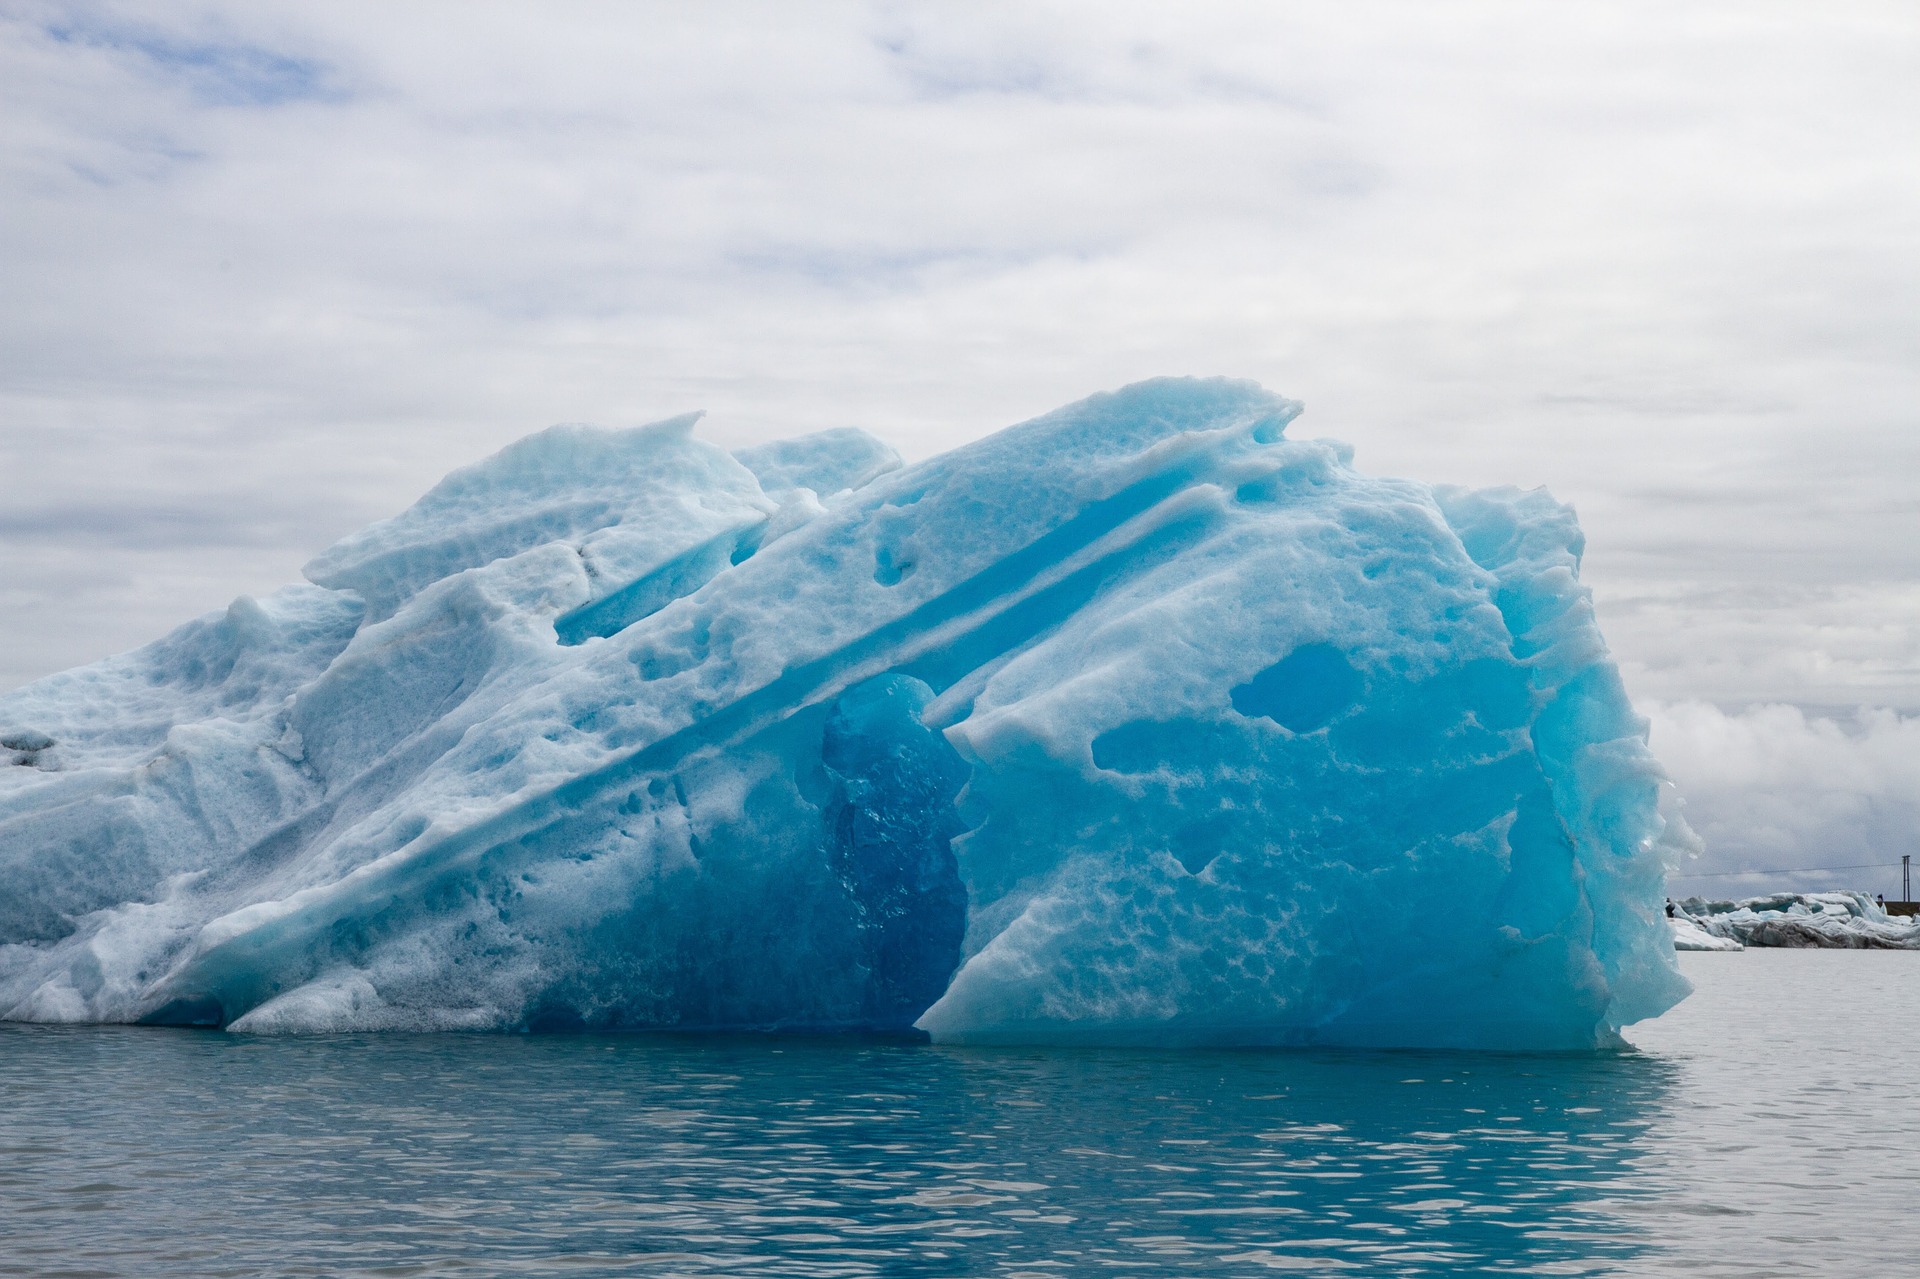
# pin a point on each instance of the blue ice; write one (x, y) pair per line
(1140, 722)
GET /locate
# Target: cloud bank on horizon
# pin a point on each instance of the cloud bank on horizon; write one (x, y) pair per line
(272, 270)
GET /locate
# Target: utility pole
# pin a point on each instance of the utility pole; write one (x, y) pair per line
(1906, 877)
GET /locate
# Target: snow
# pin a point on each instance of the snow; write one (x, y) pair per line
(1689, 935)
(626, 501)
(1136, 723)
(1842, 921)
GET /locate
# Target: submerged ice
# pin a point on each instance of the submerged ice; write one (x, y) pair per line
(1139, 722)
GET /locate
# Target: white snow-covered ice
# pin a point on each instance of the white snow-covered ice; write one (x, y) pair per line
(1689, 935)
(1833, 921)
(1136, 723)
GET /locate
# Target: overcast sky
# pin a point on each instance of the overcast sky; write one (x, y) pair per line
(270, 270)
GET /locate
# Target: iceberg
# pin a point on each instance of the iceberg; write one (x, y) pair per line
(1138, 723)
(1803, 921)
(1689, 935)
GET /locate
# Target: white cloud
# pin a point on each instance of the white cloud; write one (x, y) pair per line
(1774, 788)
(278, 267)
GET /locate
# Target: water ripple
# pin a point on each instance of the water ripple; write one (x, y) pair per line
(1731, 1140)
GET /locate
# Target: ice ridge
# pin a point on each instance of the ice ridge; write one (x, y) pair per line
(1805, 921)
(1136, 723)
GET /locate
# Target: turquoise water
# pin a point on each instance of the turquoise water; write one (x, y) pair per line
(1767, 1127)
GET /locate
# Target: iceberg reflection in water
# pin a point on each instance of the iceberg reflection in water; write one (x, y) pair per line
(799, 1157)
(1737, 1141)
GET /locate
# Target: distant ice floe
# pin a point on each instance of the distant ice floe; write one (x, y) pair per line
(1688, 935)
(1140, 722)
(1828, 921)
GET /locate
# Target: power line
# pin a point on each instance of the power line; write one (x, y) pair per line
(1785, 870)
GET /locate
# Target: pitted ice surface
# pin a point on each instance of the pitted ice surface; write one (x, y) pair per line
(1140, 722)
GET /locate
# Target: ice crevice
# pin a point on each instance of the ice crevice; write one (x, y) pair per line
(1139, 722)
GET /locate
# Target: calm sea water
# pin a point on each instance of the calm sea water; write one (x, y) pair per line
(1769, 1126)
